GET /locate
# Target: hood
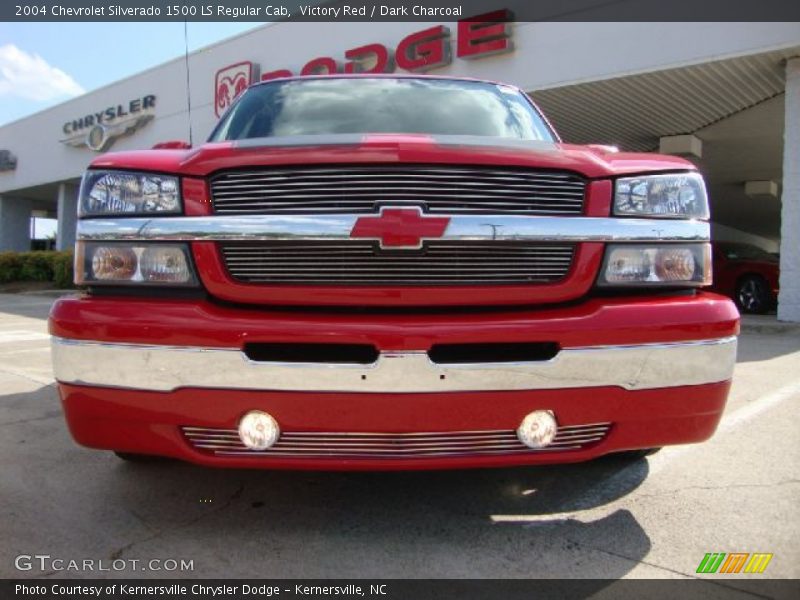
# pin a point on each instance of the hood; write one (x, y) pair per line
(590, 161)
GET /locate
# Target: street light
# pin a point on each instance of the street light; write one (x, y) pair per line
(494, 229)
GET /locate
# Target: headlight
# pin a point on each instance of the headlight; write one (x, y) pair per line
(117, 263)
(677, 195)
(677, 265)
(125, 193)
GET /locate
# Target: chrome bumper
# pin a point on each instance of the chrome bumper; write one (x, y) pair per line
(166, 368)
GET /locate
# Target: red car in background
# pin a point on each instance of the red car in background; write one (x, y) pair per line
(748, 274)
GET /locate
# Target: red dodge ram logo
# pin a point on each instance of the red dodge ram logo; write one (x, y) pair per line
(229, 83)
(400, 227)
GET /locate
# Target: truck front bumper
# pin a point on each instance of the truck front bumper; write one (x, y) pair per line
(170, 377)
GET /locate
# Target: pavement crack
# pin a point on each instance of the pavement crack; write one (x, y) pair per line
(673, 491)
(40, 380)
(43, 418)
(157, 534)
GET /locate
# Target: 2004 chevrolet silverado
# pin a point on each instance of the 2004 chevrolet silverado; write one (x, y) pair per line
(391, 272)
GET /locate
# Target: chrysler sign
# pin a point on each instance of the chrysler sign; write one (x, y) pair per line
(101, 129)
(476, 37)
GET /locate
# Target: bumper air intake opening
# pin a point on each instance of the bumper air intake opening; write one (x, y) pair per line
(359, 354)
(444, 354)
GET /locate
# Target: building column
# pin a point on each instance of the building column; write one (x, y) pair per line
(15, 224)
(67, 216)
(789, 297)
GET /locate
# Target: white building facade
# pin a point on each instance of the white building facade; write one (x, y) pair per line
(725, 95)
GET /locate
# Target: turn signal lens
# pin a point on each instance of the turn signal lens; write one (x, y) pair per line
(115, 263)
(675, 264)
(665, 264)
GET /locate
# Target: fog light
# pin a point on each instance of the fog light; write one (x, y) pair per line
(258, 430)
(538, 429)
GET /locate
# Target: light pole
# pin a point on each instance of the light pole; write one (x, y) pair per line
(494, 229)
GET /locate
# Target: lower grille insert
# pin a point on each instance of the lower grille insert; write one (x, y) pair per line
(357, 354)
(363, 263)
(313, 444)
(453, 354)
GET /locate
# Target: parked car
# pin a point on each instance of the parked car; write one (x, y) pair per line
(748, 274)
(391, 272)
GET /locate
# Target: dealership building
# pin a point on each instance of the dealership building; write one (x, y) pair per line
(724, 95)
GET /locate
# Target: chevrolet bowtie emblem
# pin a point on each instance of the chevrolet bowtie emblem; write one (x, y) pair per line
(399, 228)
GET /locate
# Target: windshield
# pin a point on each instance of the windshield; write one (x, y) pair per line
(381, 105)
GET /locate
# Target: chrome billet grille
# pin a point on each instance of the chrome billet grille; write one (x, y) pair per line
(311, 444)
(442, 189)
(363, 263)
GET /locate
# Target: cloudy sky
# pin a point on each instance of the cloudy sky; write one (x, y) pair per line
(42, 64)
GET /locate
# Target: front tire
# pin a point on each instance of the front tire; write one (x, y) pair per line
(753, 295)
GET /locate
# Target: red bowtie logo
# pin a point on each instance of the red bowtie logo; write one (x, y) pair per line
(400, 227)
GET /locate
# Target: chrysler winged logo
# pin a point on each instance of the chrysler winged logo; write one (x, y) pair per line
(400, 228)
(229, 83)
(99, 130)
(101, 137)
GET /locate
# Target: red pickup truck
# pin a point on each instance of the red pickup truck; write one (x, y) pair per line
(361, 272)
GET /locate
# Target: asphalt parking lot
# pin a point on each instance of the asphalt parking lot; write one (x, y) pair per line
(655, 517)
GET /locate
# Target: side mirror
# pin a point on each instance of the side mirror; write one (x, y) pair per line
(172, 145)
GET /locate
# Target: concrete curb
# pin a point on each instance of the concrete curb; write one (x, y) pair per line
(47, 293)
(767, 324)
